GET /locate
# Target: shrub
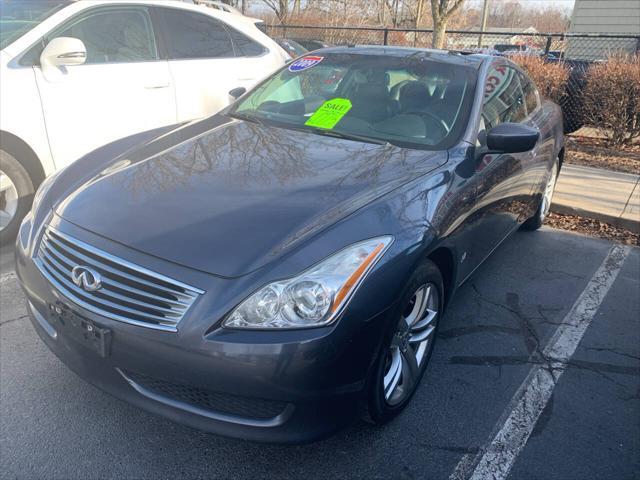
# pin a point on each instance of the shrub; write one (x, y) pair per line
(612, 98)
(550, 77)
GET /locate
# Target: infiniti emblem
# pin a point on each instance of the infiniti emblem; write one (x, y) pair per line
(86, 278)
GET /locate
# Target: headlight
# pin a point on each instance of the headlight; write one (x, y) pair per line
(316, 296)
(42, 190)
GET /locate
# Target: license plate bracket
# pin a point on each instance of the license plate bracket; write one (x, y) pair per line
(79, 328)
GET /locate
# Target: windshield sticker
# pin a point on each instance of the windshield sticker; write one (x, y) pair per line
(304, 63)
(330, 113)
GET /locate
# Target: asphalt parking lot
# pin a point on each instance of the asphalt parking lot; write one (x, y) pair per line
(507, 324)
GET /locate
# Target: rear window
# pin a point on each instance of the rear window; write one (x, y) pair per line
(191, 35)
(244, 46)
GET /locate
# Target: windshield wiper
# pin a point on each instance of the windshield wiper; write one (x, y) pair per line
(348, 136)
(249, 117)
(345, 135)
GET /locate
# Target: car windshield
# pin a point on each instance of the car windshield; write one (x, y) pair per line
(17, 17)
(293, 48)
(297, 48)
(412, 101)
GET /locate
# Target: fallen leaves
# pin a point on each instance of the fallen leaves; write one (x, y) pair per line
(594, 152)
(592, 227)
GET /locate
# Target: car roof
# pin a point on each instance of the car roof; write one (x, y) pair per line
(454, 57)
(184, 4)
(181, 3)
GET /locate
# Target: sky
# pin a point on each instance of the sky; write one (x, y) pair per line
(564, 4)
(257, 5)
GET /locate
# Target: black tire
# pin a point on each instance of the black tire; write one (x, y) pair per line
(379, 410)
(25, 190)
(535, 222)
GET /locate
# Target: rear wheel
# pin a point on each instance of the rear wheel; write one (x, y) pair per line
(544, 207)
(408, 344)
(16, 194)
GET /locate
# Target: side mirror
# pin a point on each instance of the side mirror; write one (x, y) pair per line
(237, 92)
(512, 138)
(62, 52)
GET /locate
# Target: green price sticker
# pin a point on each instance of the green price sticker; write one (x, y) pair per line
(330, 113)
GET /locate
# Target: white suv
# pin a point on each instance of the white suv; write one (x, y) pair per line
(75, 75)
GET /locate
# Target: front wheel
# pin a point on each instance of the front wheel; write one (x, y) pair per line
(408, 344)
(16, 194)
(544, 207)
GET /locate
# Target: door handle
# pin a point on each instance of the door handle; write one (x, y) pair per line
(156, 87)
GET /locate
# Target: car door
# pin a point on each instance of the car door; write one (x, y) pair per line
(498, 187)
(536, 164)
(207, 59)
(123, 88)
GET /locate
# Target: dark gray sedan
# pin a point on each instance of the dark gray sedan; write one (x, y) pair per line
(270, 271)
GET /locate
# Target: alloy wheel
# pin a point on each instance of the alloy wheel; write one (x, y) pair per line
(8, 200)
(410, 344)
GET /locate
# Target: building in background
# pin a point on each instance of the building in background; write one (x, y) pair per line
(494, 36)
(609, 17)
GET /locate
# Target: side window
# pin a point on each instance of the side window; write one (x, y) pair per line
(530, 93)
(113, 35)
(244, 46)
(191, 35)
(503, 97)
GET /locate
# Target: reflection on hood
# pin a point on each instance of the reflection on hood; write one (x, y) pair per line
(228, 196)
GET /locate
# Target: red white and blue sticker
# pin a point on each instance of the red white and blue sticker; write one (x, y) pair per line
(304, 63)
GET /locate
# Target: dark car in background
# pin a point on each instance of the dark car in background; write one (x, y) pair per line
(293, 48)
(270, 271)
(312, 44)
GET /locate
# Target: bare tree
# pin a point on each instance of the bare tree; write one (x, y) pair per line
(615, 109)
(441, 11)
(419, 13)
(279, 7)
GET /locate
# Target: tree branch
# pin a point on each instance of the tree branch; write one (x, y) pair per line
(455, 7)
(435, 10)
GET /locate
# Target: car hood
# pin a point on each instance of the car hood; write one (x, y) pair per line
(226, 196)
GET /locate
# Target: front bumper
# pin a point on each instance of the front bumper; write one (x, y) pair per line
(284, 387)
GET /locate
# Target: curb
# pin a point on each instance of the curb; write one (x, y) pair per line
(631, 225)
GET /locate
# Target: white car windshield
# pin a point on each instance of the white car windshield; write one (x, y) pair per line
(17, 17)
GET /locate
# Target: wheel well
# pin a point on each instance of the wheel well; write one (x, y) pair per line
(24, 154)
(443, 259)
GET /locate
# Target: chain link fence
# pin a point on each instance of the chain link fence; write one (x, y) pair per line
(571, 46)
(576, 50)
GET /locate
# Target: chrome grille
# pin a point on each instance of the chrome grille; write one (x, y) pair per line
(129, 293)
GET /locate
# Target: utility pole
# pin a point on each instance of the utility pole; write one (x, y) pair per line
(483, 26)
